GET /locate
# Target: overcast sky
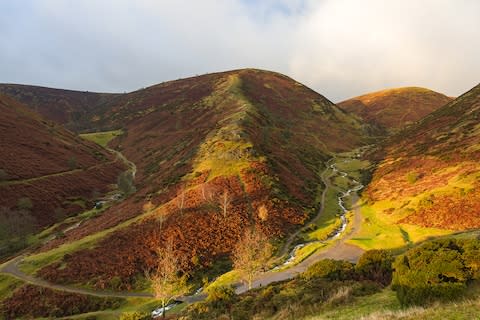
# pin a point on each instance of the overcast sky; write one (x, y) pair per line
(340, 48)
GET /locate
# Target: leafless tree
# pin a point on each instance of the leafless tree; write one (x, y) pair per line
(251, 255)
(181, 199)
(167, 280)
(224, 200)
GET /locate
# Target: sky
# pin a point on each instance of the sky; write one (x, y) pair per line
(339, 48)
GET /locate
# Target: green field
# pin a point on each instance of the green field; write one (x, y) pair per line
(102, 138)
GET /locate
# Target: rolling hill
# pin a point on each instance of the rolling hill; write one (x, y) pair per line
(47, 170)
(258, 139)
(72, 109)
(430, 173)
(395, 108)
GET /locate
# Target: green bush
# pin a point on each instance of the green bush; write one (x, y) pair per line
(220, 293)
(330, 269)
(24, 204)
(135, 316)
(437, 270)
(375, 265)
(412, 177)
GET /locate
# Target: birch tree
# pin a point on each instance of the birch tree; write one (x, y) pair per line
(167, 280)
(251, 255)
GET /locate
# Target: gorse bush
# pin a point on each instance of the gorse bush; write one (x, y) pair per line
(437, 270)
(375, 265)
(135, 316)
(330, 269)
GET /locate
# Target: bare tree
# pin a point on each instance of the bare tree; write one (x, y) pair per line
(224, 200)
(181, 199)
(251, 255)
(161, 217)
(167, 280)
(206, 192)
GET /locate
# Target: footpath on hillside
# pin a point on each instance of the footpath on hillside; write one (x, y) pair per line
(338, 249)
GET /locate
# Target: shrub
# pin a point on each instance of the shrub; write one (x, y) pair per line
(330, 269)
(438, 270)
(220, 294)
(24, 203)
(375, 265)
(125, 183)
(412, 177)
(135, 316)
(3, 175)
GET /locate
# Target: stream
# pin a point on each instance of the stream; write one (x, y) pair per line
(337, 232)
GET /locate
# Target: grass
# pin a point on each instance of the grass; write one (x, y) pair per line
(328, 220)
(362, 306)
(384, 305)
(306, 251)
(378, 231)
(102, 138)
(7, 285)
(225, 279)
(33, 263)
(132, 305)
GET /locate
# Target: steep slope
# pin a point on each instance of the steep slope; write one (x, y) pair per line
(394, 108)
(430, 175)
(46, 169)
(73, 109)
(215, 154)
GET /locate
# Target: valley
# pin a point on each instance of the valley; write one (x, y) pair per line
(197, 163)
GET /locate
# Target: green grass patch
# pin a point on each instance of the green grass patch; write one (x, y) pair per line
(7, 285)
(361, 306)
(33, 263)
(225, 279)
(102, 138)
(379, 231)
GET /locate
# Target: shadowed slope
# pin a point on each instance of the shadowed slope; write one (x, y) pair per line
(56, 170)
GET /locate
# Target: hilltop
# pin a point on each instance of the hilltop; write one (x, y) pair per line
(72, 109)
(258, 138)
(394, 108)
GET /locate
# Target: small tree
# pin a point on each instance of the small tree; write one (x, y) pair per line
(25, 204)
(125, 183)
(181, 199)
(251, 255)
(167, 280)
(72, 163)
(224, 201)
(3, 175)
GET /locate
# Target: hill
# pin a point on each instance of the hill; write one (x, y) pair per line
(395, 108)
(215, 154)
(46, 171)
(73, 109)
(429, 174)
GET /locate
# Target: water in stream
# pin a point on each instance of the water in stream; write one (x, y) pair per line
(341, 203)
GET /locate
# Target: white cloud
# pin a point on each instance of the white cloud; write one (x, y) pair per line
(340, 48)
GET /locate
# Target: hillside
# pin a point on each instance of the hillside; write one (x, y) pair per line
(258, 139)
(430, 173)
(395, 108)
(73, 109)
(47, 170)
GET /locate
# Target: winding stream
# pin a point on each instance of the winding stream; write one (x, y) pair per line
(341, 203)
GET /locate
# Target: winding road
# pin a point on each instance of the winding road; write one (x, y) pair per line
(339, 249)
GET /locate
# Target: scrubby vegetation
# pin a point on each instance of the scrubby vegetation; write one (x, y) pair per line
(437, 270)
(32, 302)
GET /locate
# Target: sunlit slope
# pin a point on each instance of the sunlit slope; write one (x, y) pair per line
(430, 172)
(395, 108)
